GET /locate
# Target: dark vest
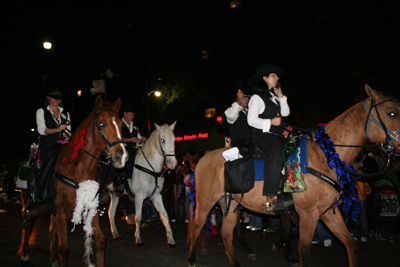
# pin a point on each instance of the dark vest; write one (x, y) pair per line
(50, 123)
(270, 111)
(127, 134)
(240, 129)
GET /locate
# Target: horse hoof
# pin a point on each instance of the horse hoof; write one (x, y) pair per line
(274, 248)
(171, 245)
(118, 238)
(252, 256)
(295, 264)
(140, 245)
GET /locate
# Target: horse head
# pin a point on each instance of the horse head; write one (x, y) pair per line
(383, 120)
(166, 138)
(107, 132)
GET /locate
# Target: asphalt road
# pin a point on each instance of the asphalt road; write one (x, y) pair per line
(156, 253)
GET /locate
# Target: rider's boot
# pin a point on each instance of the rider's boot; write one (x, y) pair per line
(31, 210)
(279, 203)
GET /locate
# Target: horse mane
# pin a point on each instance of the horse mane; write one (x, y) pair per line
(150, 147)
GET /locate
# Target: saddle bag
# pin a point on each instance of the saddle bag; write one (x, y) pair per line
(239, 175)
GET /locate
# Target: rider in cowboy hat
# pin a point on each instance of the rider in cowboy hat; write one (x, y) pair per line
(266, 108)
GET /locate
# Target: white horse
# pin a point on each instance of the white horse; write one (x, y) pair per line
(160, 145)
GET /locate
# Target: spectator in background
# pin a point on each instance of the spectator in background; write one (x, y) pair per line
(322, 234)
(179, 199)
(360, 230)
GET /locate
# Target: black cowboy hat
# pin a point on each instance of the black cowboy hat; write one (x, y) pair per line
(55, 92)
(265, 70)
(128, 108)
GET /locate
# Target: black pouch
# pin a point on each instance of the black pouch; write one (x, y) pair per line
(23, 171)
(239, 175)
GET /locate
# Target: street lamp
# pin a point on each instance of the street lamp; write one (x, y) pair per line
(49, 45)
(157, 94)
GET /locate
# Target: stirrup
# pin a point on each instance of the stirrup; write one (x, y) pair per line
(271, 201)
(32, 212)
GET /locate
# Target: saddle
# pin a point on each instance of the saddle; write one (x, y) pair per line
(240, 174)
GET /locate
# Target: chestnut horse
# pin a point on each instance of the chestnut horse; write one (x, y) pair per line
(376, 119)
(77, 165)
(147, 182)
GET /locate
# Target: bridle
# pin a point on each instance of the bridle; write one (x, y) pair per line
(391, 136)
(105, 140)
(162, 141)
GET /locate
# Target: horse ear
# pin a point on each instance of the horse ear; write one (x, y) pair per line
(172, 126)
(99, 102)
(372, 93)
(158, 127)
(117, 104)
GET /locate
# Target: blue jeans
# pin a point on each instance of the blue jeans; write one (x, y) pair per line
(362, 227)
(321, 233)
(256, 221)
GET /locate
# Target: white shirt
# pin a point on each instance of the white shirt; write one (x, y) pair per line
(257, 106)
(41, 125)
(131, 127)
(232, 113)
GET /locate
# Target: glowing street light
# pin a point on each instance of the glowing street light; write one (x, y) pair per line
(49, 45)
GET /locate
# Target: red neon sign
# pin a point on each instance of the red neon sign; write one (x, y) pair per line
(191, 136)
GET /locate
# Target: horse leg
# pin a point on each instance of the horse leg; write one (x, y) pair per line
(111, 216)
(27, 232)
(53, 240)
(334, 221)
(138, 219)
(64, 247)
(228, 226)
(100, 241)
(308, 223)
(158, 204)
(286, 238)
(243, 242)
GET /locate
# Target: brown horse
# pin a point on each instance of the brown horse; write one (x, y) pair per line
(99, 133)
(352, 128)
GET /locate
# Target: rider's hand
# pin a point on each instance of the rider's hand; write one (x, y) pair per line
(276, 121)
(62, 127)
(239, 97)
(278, 91)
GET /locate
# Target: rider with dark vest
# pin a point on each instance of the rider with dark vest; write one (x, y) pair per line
(236, 115)
(266, 108)
(54, 127)
(132, 140)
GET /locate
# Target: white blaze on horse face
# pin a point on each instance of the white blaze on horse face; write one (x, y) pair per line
(124, 157)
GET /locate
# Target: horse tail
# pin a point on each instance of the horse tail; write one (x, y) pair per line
(204, 233)
(203, 237)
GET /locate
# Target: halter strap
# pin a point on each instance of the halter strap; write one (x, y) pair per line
(105, 140)
(390, 135)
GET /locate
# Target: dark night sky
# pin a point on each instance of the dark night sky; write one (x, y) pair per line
(328, 48)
